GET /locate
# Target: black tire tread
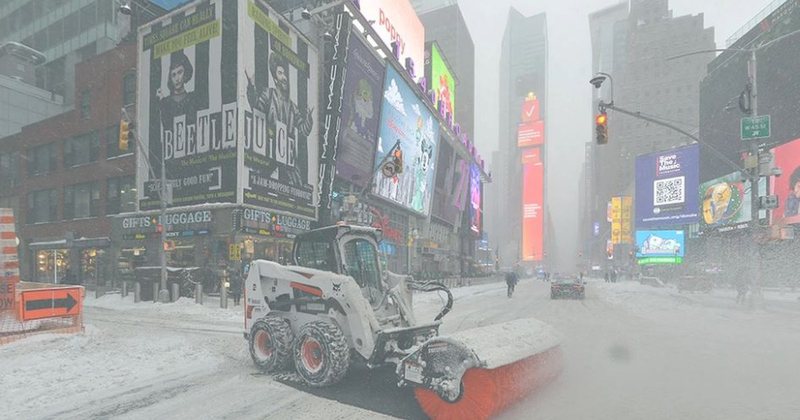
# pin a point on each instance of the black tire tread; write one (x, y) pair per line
(281, 332)
(337, 351)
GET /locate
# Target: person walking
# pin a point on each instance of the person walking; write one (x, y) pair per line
(741, 288)
(511, 282)
(236, 288)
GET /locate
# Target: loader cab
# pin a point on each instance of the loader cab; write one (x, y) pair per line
(348, 250)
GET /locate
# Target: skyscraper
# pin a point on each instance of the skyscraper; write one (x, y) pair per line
(523, 73)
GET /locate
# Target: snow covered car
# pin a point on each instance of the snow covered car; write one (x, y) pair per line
(567, 287)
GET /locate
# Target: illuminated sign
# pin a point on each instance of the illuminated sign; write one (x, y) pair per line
(532, 211)
(441, 81)
(395, 21)
(660, 243)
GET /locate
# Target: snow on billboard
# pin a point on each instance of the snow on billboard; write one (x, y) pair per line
(360, 114)
(187, 106)
(787, 187)
(396, 21)
(279, 77)
(407, 124)
(666, 187)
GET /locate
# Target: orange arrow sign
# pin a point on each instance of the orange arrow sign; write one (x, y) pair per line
(47, 303)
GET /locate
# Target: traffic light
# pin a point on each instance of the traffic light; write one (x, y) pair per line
(601, 128)
(124, 132)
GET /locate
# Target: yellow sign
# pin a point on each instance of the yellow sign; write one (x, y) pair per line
(234, 252)
(616, 220)
(627, 210)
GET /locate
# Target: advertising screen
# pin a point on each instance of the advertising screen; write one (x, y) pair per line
(442, 82)
(666, 187)
(725, 202)
(787, 186)
(278, 76)
(659, 243)
(530, 134)
(187, 108)
(475, 197)
(449, 174)
(360, 114)
(532, 210)
(407, 125)
(396, 21)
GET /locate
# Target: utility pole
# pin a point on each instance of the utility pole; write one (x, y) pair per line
(755, 230)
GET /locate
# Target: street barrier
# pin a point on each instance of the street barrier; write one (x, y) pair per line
(42, 308)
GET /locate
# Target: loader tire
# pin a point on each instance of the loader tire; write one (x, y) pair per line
(321, 354)
(271, 344)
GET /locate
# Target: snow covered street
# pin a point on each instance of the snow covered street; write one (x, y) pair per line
(631, 352)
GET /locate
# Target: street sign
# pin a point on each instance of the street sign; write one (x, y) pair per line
(234, 252)
(659, 260)
(755, 127)
(53, 302)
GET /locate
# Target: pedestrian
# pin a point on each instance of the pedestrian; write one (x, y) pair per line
(741, 288)
(511, 282)
(607, 277)
(236, 288)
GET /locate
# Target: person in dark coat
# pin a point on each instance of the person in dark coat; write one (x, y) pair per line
(236, 288)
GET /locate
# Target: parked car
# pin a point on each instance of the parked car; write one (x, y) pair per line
(570, 287)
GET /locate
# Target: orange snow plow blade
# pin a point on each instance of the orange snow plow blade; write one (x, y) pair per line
(515, 359)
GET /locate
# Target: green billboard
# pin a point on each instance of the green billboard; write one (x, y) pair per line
(442, 82)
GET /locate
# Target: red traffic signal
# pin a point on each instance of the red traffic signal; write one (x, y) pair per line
(601, 128)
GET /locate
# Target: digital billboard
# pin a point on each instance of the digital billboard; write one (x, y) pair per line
(475, 198)
(530, 134)
(396, 21)
(278, 76)
(666, 187)
(787, 186)
(452, 176)
(441, 81)
(408, 126)
(187, 106)
(360, 114)
(660, 246)
(532, 206)
(725, 202)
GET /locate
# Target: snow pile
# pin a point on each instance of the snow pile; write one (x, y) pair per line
(52, 375)
(182, 308)
(508, 342)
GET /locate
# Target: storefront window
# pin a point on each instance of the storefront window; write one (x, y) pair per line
(52, 265)
(93, 266)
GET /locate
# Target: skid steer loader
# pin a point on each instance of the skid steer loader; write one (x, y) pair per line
(335, 305)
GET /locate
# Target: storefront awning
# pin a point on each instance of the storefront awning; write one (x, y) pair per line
(100, 242)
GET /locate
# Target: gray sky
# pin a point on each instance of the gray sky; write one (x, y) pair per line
(569, 95)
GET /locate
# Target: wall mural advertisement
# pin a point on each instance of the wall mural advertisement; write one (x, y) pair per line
(532, 206)
(787, 186)
(408, 126)
(725, 202)
(395, 21)
(475, 198)
(441, 81)
(187, 109)
(666, 187)
(360, 114)
(281, 128)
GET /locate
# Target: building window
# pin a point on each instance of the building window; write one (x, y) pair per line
(81, 150)
(86, 103)
(42, 159)
(42, 206)
(9, 169)
(81, 200)
(121, 195)
(129, 88)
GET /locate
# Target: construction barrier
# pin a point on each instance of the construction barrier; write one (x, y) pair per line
(32, 308)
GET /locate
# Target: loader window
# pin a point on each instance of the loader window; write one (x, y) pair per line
(319, 255)
(362, 264)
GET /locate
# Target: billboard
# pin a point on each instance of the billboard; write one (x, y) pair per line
(360, 114)
(725, 202)
(441, 81)
(532, 207)
(660, 246)
(407, 125)
(666, 187)
(279, 77)
(452, 175)
(396, 21)
(530, 134)
(187, 106)
(475, 198)
(787, 187)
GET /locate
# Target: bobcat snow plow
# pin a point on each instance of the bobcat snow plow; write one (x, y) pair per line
(335, 306)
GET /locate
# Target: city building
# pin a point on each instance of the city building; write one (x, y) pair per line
(67, 175)
(523, 75)
(644, 81)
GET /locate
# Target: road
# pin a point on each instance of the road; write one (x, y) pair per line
(631, 352)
